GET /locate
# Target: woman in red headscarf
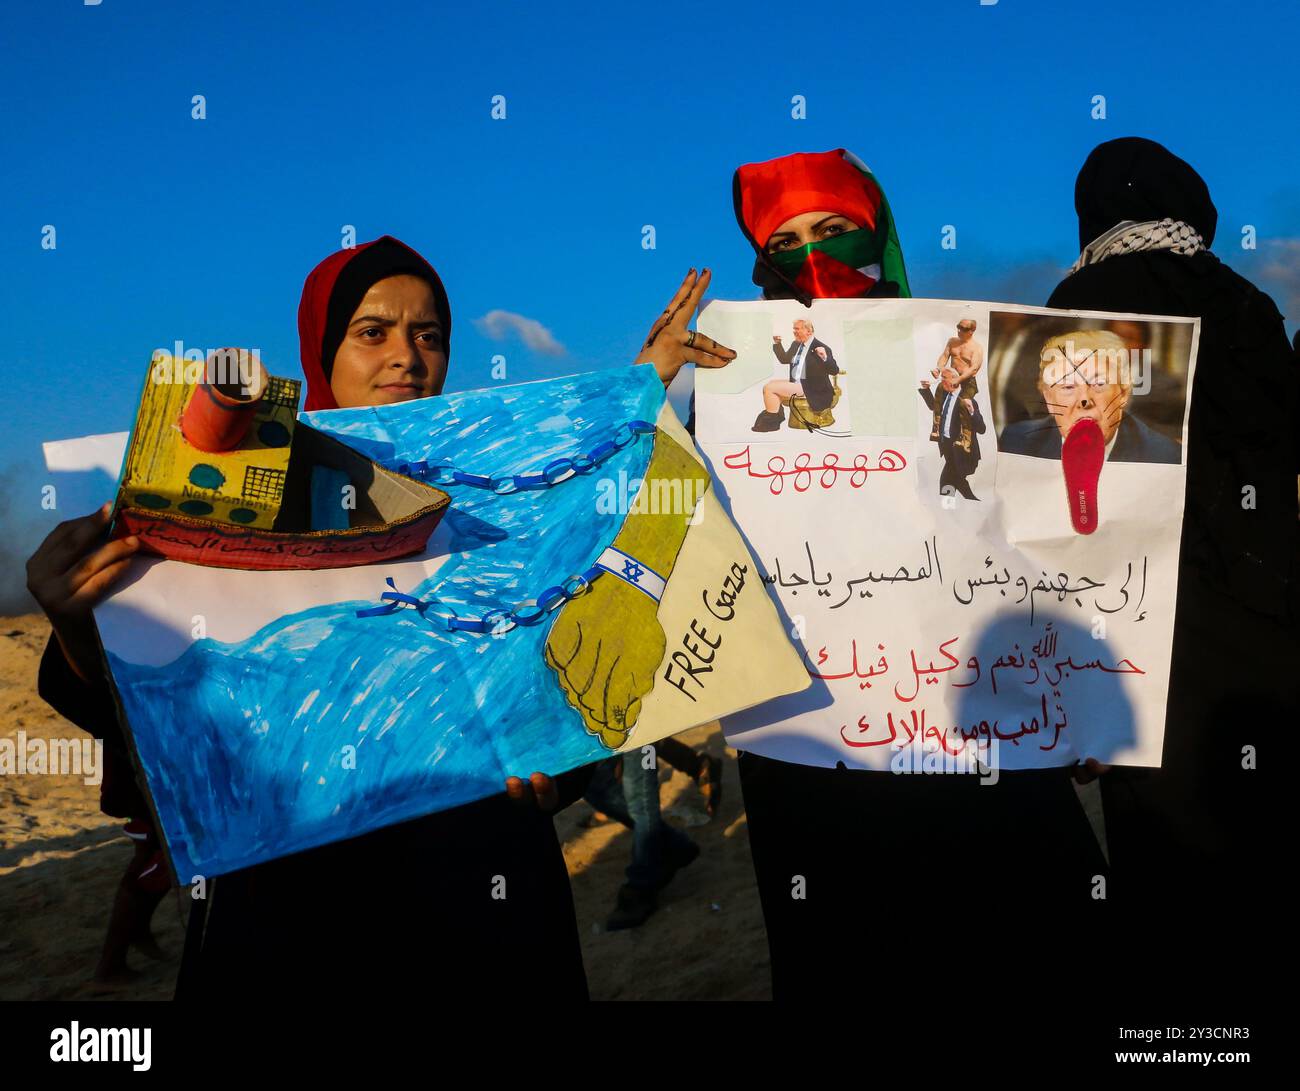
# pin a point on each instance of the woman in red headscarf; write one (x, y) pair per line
(411, 902)
(415, 901)
(820, 227)
(374, 327)
(408, 903)
(859, 870)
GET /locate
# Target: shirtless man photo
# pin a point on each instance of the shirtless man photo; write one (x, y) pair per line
(964, 355)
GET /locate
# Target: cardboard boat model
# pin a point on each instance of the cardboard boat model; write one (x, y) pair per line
(220, 472)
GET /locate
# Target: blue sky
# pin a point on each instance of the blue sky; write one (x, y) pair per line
(378, 115)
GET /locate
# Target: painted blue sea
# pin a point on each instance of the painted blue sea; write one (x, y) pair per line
(246, 745)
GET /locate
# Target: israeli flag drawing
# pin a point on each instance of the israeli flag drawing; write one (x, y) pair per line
(630, 570)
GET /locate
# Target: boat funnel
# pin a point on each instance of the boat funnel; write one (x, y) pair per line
(221, 407)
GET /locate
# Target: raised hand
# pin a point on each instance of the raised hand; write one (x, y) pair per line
(671, 345)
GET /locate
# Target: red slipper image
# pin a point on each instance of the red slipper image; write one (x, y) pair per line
(1082, 454)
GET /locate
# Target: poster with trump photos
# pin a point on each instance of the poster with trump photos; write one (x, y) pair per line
(968, 517)
(582, 595)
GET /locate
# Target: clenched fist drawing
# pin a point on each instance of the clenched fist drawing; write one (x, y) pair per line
(606, 645)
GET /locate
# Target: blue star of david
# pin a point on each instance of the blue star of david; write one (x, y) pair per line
(632, 571)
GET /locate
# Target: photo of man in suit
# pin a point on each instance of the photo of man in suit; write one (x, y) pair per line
(811, 365)
(1087, 374)
(958, 424)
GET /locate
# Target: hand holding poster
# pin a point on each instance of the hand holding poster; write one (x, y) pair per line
(968, 515)
(583, 595)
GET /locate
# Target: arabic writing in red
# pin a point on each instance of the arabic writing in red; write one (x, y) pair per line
(803, 469)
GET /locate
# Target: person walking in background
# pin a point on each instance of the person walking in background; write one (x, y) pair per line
(626, 788)
(658, 850)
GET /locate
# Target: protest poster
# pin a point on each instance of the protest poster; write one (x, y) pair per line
(962, 593)
(274, 711)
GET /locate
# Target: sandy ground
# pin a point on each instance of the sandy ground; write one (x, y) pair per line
(61, 860)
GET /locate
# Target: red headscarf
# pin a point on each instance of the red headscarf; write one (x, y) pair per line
(866, 262)
(331, 295)
(775, 191)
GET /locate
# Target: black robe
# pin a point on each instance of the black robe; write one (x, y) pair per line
(408, 906)
(925, 895)
(1192, 843)
(922, 895)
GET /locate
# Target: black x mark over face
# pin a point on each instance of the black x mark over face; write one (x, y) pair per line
(1081, 385)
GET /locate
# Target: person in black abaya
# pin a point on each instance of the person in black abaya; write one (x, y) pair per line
(925, 897)
(1193, 869)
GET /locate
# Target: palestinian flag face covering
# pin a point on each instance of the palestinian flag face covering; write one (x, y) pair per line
(848, 265)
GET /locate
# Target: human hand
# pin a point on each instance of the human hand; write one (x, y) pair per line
(822, 353)
(1089, 771)
(670, 345)
(539, 790)
(70, 573)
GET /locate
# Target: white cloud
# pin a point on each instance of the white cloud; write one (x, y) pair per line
(499, 325)
(1279, 275)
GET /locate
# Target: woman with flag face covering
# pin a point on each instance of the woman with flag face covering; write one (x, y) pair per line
(821, 228)
(866, 877)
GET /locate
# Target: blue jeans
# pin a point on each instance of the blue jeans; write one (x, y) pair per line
(635, 803)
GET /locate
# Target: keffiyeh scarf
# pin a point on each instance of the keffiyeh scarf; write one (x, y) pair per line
(1130, 237)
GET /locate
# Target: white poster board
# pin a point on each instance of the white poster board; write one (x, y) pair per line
(946, 608)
